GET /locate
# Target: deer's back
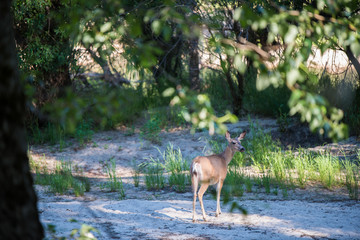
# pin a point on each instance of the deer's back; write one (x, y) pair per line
(212, 167)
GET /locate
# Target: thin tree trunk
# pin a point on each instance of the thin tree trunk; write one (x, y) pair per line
(194, 70)
(353, 60)
(236, 98)
(19, 218)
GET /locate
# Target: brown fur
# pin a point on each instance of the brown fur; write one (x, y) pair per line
(210, 170)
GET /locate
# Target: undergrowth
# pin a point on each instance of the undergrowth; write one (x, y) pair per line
(278, 170)
(61, 180)
(172, 165)
(114, 184)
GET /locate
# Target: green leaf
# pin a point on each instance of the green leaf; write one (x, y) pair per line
(237, 14)
(156, 26)
(293, 76)
(262, 82)
(355, 48)
(105, 27)
(291, 34)
(239, 63)
(168, 92)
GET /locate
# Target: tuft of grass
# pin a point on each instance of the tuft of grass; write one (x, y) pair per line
(283, 120)
(301, 164)
(329, 169)
(278, 166)
(248, 184)
(234, 182)
(265, 181)
(154, 175)
(352, 179)
(172, 163)
(115, 183)
(136, 172)
(178, 168)
(61, 180)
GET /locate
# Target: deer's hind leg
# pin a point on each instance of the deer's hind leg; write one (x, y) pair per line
(202, 190)
(195, 182)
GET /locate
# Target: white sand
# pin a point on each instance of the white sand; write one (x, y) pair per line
(310, 213)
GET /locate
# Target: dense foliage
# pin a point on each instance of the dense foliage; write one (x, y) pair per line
(252, 46)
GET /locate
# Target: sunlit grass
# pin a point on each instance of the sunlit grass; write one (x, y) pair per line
(61, 180)
(115, 183)
(276, 169)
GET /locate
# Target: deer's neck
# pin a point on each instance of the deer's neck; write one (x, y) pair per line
(228, 154)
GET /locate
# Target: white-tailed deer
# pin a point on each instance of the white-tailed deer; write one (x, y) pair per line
(212, 170)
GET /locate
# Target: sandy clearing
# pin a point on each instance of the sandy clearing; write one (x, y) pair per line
(172, 219)
(309, 213)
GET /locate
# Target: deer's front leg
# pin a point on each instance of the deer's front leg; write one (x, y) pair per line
(218, 192)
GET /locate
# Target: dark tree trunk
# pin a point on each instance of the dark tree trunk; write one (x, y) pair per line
(353, 60)
(19, 217)
(194, 70)
(236, 98)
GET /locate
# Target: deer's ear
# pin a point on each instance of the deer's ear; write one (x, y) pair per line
(242, 135)
(227, 136)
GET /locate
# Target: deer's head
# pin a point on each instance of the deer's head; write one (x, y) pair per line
(235, 143)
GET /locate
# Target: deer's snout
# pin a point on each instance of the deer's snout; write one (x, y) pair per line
(241, 149)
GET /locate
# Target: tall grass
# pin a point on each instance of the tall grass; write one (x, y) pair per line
(178, 168)
(115, 183)
(234, 181)
(61, 180)
(352, 178)
(154, 175)
(173, 164)
(284, 169)
(329, 169)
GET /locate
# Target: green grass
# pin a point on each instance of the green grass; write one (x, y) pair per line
(178, 168)
(136, 174)
(329, 169)
(234, 182)
(278, 170)
(172, 170)
(352, 178)
(265, 182)
(154, 175)
(61, 180)
(114, 184)
(151, 131)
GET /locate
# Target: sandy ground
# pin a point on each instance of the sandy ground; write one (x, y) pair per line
(312, 213)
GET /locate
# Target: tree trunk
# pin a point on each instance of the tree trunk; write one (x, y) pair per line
(19, 217)
(353, 60)
(236, 98)
(194, 70)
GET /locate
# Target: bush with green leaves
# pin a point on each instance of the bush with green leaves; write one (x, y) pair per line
(151, 130)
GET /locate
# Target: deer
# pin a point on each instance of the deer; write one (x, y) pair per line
(211, 170)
